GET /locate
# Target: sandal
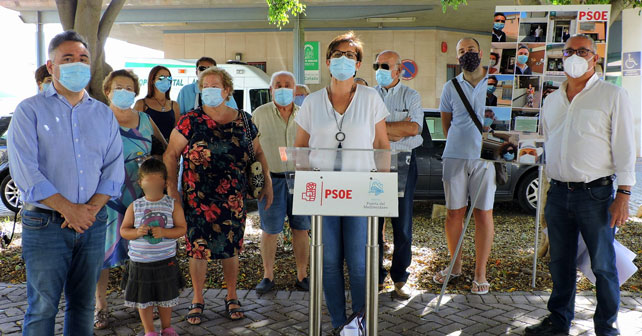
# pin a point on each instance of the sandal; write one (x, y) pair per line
(198, 315)
(479, 285)
(441, 276)
(101, 319)
(231, 312)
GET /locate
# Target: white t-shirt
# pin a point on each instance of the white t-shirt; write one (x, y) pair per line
(358, 123)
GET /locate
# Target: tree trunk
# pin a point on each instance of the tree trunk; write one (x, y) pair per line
(84, 16)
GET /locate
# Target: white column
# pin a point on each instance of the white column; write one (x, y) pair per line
(297, 54)
(632, 41)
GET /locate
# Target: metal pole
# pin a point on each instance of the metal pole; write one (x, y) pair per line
(372, 276)
(40, 40)
(461, 240)
(538, 214)
(298, 52)
(316, 275)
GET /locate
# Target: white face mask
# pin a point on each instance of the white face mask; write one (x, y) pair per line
(527, 158)
(575, 66)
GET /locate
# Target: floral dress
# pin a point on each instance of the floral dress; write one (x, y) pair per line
(214, 184)
(137, 142)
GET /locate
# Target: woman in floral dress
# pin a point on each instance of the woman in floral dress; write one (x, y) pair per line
(215, 149)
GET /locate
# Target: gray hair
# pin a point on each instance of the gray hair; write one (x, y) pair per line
(68, 35)
(586, 37)
(279, 73)
(390, 52)
(304, 87)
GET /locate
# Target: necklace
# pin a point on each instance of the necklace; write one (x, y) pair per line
(161, 105)
(340, 136)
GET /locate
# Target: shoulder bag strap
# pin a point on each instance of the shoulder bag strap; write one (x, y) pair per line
(246, 126)
(469, 108)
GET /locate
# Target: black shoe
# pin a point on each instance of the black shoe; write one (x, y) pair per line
(303, 285)
(264, 286)
(545, 327)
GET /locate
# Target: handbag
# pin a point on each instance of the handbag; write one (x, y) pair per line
(501, 171)
(254, 172)
(355, 325)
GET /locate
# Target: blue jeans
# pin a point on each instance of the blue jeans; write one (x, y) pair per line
(58, 259)
(401, 231)
(568, 213)
(273, 219)
(344, 237)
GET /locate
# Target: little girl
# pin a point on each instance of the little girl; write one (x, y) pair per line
(152, 224)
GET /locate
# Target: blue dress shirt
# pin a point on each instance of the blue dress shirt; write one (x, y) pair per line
(54, 147)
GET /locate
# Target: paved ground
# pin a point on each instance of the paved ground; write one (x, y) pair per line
(286, 313)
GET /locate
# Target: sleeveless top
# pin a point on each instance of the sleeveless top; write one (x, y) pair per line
(147, 248)
(164, 120)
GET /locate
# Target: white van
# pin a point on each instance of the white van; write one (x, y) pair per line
(251, 84)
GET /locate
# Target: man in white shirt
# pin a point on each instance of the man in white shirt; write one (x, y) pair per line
(588, 126)
(464, 172)
(403, 126)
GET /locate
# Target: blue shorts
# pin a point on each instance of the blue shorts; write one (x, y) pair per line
(273, 219)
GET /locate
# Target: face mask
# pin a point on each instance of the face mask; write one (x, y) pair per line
(509, 156)
(298, 100)
(163, 85)
(498, 25)
(493, 62)
(74, 76)
(491, 89)
(469, 61)
(488, 122)
(575, 66)
(384, 77)
(527, 158)
(123, 99)
(343, 68)
(284, 96)
(522, 59)
(212, 96)
(45, 86)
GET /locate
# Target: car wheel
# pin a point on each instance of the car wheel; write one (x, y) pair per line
(10, 194)
(527, 192)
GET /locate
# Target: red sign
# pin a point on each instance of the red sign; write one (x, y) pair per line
(593, 15)
(338, 193)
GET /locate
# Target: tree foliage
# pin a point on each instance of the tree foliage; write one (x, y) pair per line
(280, 11)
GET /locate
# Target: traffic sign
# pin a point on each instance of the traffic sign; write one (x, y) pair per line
(409, 69)
(631, 63)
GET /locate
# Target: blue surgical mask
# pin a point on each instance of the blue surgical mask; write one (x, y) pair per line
(343, 68)
(298, 100)
(212, 96)
(498, 25)
(284, 96)
(45, 86)
(509, 156)
(163, 85)
(123, 99)
(488, 122)
(522, 59)
(491, 89)
(74, 76)
(384, 77)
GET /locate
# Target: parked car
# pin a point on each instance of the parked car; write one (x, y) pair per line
(522, 179)
(9, 194)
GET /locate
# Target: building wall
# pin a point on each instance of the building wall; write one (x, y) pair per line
(275, 48)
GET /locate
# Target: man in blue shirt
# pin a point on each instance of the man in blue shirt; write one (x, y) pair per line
(66, 157)
(189, 97)
(463, 171)
(403, 126)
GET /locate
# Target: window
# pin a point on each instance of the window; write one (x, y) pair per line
(259, 97)
(452, 71)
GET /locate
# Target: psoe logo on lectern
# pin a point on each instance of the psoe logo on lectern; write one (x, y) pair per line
(310, 193)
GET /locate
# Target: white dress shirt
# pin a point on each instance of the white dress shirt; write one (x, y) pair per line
(590, 137)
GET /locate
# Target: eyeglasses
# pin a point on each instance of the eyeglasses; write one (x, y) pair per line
(581, 52)
(500, 20)
(384, 66)
(203, 68)
(348, 54)
(164, 77)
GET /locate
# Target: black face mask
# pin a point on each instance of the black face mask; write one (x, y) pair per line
(469, 61)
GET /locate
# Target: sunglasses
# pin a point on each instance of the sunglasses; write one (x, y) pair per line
(203, 68)
(582, 52)
(164, 77)
(384, 66)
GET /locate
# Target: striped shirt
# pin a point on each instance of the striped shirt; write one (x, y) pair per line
(147, 248)
(403, 102)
